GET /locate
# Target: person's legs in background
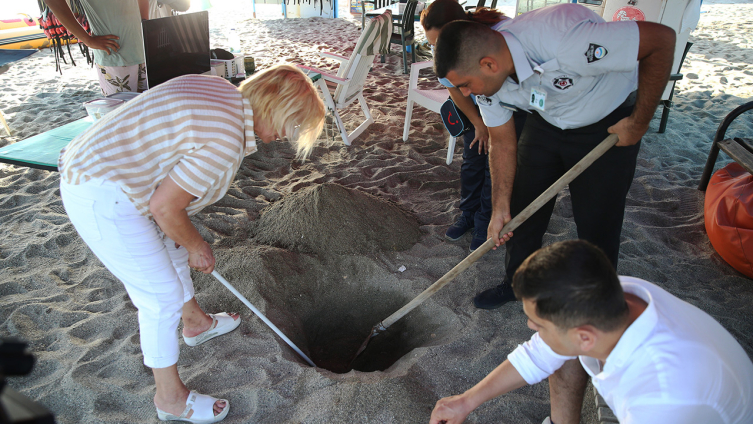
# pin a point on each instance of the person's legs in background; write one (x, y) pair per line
(484, 212)
(116, 79)
(471, 186)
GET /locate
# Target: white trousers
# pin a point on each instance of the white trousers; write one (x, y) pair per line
(155, 273)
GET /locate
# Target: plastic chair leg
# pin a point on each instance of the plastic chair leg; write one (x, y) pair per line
(408, 116)
(405, 61)
(5, 124)
(450, 149)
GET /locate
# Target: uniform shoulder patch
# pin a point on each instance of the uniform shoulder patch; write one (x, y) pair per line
(595, 52)
(483, 100)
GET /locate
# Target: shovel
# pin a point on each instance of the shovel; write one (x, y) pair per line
(526, 213)
(260, 315)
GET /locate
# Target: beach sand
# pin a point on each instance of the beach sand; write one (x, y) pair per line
(83, 331)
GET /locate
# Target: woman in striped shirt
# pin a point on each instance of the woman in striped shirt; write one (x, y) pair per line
(130, 183)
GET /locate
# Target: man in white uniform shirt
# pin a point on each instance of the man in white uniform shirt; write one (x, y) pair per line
(653, 357)
(580, 78)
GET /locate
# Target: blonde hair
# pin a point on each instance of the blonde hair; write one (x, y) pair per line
(286, 99)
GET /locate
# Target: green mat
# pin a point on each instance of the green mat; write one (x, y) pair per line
(42, 150)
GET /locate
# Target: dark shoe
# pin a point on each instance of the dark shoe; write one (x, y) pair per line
(495, 297)
(459, 228)
(478, 240)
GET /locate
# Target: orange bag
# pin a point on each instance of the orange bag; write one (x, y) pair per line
(728, 214)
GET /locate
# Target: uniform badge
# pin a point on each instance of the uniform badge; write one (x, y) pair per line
(483, 100)
(538, 99)
(595, 52)
(562, 82)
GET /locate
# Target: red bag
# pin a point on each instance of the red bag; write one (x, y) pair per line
(728, 214)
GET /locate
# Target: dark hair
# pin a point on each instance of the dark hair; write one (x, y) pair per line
(461, 45)
(573, 284)
(442, 12)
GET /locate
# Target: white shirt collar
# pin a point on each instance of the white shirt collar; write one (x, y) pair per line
(637, 333)
(523, 68)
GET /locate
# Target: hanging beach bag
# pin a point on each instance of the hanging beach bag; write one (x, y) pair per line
(59, 36)
(454, 120)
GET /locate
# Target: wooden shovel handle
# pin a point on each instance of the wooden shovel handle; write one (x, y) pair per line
(514, 223)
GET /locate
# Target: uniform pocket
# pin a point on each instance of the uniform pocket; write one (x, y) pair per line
(81, 213)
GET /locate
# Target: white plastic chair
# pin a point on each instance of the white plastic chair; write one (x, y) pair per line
(430, 99)
(5, 124)
(352, 73)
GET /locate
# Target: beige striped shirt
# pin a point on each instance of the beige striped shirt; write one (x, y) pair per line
(196, 129)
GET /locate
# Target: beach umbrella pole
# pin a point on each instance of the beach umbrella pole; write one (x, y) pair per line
(261, 316)
(526, 213)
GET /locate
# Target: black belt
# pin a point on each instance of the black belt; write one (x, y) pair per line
(630, 101)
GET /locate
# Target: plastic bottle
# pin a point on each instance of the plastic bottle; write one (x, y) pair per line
(234, 41)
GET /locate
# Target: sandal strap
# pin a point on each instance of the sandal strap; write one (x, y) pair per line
(189, 405)
(215, 322)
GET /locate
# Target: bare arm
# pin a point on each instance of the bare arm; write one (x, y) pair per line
(144, 9)
(655, 57)
(168, 207)
(101, 42)
(469, 109)
(454, 409)
(503, 159)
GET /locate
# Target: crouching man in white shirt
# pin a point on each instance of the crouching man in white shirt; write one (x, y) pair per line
(653, 357)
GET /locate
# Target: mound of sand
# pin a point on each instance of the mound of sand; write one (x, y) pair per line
(330, 218)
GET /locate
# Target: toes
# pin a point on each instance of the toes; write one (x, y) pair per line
(219, 406)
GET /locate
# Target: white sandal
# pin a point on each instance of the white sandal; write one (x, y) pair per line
(222, 323)
(201, 405)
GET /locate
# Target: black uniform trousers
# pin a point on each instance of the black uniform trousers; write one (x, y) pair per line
(545, 153)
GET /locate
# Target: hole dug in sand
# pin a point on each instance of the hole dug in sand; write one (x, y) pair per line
(328, 307)
(334, 334)
(332, 295)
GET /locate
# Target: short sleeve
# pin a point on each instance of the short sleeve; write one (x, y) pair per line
(535, 360)
(200, 171)
(492, 112)
(594, 48)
